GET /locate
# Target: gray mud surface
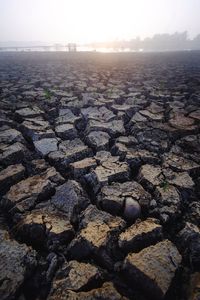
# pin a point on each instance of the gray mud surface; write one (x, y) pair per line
(99, 176)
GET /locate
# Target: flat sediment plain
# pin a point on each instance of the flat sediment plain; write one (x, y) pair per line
(99, 176)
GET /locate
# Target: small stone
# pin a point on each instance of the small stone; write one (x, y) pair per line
(121, 198)
(132, 209)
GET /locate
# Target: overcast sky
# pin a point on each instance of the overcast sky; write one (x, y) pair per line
(95, 20)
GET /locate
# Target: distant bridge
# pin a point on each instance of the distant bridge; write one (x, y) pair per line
(70, 47)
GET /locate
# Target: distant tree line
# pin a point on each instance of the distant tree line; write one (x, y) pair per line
(159, 42)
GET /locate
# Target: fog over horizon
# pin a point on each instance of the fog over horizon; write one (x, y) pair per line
(95, 21)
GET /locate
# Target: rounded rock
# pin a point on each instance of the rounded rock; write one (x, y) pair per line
(132, 209)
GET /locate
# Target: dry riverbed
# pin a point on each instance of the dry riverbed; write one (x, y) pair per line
(99, 176)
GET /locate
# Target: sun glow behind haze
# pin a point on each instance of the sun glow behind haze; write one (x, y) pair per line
(95, 20)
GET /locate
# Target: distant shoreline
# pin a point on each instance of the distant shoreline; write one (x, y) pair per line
(90, 50)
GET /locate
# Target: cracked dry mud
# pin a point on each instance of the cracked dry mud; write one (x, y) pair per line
(99, 176)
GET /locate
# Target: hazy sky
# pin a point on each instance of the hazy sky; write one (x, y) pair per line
(95, 20)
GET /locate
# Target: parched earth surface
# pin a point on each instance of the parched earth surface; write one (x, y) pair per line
(99, 176)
